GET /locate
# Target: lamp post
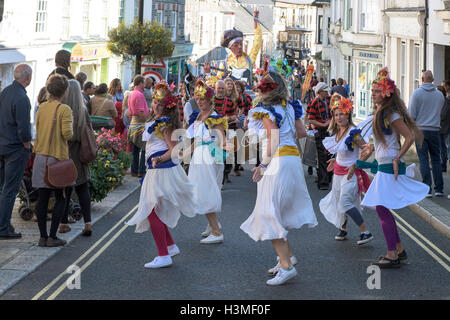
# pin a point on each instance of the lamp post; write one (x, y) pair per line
(141, 21)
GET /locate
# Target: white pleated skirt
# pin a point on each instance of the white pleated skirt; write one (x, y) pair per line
(342, 197)
(206, 177)
(169, 192)
(385, 191)
(282, 201)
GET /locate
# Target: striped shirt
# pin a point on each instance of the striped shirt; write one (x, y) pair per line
(224, 106)
(245, 103)
(318, 110)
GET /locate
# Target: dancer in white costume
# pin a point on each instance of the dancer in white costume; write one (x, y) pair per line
(166, 191)
(283, 201)
(392, 187)
(348, 182)
(207, 163)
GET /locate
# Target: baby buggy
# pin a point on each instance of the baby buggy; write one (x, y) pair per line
(28, 196)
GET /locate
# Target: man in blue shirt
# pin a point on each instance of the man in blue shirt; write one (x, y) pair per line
(15, 144)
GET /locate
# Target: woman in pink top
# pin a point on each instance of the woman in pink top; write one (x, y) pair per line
(139, 112)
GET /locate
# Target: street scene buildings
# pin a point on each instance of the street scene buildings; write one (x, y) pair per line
(169, 133)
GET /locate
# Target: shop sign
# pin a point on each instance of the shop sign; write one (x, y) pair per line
(183, 50)
(367, 55)
(82, 52)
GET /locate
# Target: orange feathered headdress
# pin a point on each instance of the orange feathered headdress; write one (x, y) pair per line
(341, 103)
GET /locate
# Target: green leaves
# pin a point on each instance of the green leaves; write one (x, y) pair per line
(150, 40)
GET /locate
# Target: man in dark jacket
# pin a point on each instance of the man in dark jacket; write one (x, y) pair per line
(445, 128)
(62, 63)
(340, 88)
(15, 144)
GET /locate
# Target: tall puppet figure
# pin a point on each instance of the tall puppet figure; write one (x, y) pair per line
(238, 63)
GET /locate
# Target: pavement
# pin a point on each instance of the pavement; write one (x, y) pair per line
(20, 257)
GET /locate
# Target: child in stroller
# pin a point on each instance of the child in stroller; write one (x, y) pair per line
(28, 196)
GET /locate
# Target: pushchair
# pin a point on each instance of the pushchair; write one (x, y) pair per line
(28, 196)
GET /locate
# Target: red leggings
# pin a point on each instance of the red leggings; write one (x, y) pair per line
(160, 233)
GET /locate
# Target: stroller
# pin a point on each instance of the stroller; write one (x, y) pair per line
(28, 196)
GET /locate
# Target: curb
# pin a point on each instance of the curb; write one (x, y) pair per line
(14, 269)
(430, 218)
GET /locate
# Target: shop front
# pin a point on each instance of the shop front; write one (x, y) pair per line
(90, 58)
(366, 65)
(176, 64)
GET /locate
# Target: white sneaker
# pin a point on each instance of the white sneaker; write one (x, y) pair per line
(438, 194)
(173, 250)
(159, 262)
(282, 276)
(275, 269)
(208, 230)
(430, 195)
(212, 239)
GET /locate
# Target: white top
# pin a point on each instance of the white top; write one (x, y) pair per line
(155, 144)
(344, 157)
(199, 130)
(385, 154)
(287, 125)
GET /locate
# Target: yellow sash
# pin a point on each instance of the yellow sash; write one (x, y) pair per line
(287, 151)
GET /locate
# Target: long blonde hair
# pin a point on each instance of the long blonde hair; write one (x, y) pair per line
(234, 95)
(275, 96)
(389, 106)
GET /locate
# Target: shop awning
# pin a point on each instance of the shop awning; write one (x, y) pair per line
(86, 51)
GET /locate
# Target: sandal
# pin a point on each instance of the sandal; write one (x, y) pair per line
(392, 263)
(402, 255)
(64, 228)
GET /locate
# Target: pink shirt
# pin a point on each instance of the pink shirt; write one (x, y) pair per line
(137, 103)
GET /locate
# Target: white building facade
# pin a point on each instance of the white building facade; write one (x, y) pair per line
(35, 32)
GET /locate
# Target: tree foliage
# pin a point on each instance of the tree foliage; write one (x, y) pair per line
(150, 40)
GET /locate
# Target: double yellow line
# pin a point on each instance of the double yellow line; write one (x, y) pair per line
(404, 226)
(89, 262)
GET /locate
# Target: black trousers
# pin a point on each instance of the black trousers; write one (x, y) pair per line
(323, 156)
(41, 211)
(85, 202)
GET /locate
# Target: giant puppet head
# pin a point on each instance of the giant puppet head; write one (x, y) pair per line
(232, 39)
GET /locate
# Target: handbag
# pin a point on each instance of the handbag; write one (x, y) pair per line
(310, 152)
(59, 174)
(88, 145)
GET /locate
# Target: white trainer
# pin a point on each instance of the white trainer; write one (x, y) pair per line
(173, 250)
(212, 239)
(275, 269)
(282, 276)
(208, 230)
(159, 262)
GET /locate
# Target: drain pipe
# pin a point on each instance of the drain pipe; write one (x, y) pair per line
(425, 35)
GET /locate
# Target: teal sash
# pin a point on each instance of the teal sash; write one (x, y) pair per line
(219, 156)
(385, 168)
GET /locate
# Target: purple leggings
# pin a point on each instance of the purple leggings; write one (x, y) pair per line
(389, 227)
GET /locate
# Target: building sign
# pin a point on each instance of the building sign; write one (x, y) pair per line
(81, 52)
(183, 50)
(367, 55)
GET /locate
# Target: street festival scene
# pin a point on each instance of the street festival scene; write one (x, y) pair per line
(208, 150)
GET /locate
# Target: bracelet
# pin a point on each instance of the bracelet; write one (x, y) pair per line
(263, 166)
(397, 158)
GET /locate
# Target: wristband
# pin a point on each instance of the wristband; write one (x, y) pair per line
(397, 158)
(263, 166)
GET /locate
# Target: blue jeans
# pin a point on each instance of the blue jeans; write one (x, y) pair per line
(138, 164)
(431, 148)
(12, 168)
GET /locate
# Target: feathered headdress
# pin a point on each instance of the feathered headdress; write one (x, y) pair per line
(203, 91)
(339, 102)
(384, 83)
(266, 83)
(162, 93)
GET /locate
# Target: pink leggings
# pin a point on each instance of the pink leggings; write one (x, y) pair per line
(389, 227)
(160, 233)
